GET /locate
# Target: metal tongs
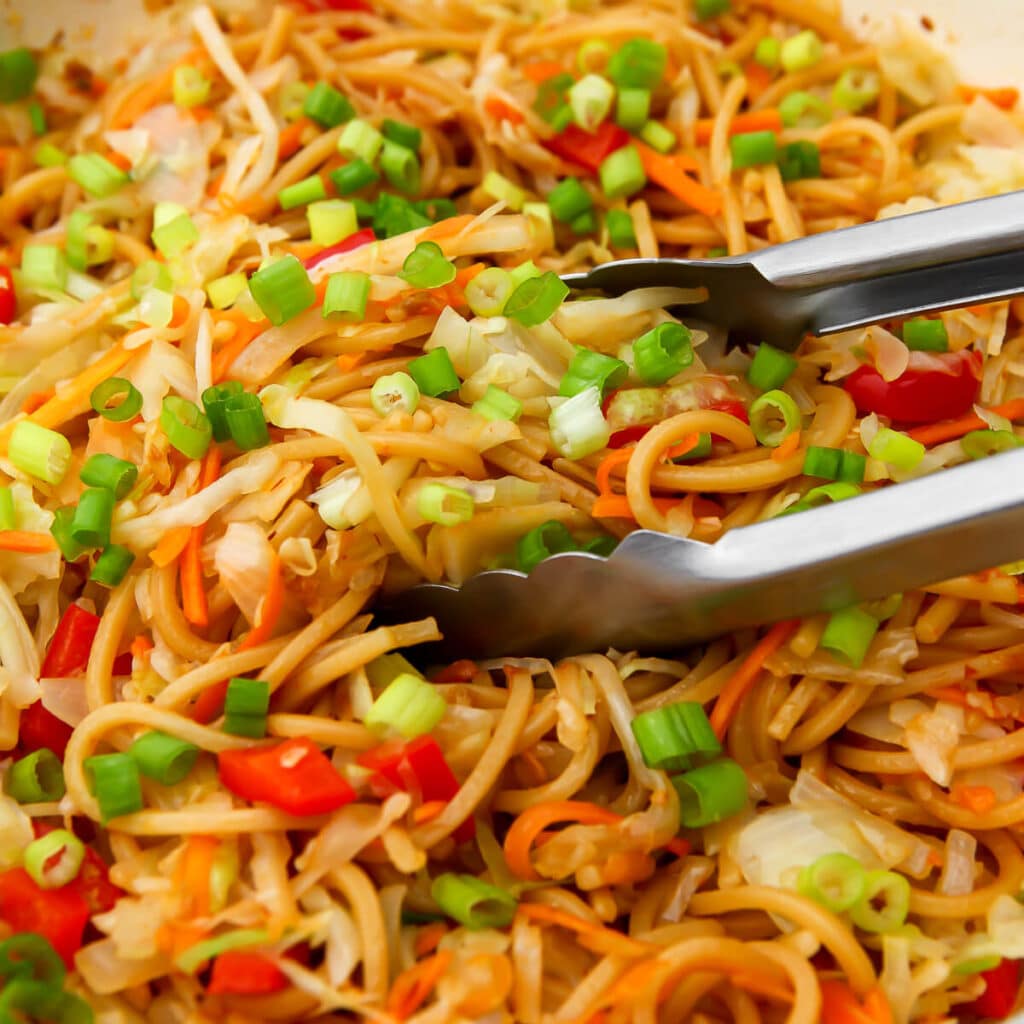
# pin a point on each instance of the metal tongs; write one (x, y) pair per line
(657, 592)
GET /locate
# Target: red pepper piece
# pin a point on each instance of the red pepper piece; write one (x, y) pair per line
(38, 728)
(918, 396)
(237, 973)
(418, 767)
(295, 776)
(8, 297)
(1000, 995)
(92, 882)
(59, 915)
(354, 241)
(72, 641)
(461, 671)
(588, 149)
(122, 665)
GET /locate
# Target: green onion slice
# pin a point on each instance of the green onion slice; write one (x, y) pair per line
(167, 759)
(710, 793)
(836, 881)
(427, 267)
(474, 903)
(186, 427)
(116, 399)
(773, 417)
(677, 737)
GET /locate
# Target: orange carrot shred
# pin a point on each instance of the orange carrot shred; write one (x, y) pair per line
(412, 987)
(170, 545)
(26, 542)
(245, 331)
(209, 703)
(497, 108)
(669, 173)
(289, 142)
(428, 811)
(428, 937)
(746, 675)
(195, 867)
(541, 70)
(936, 433)
(269, 610)
(769, 120)
(977, 799)
(36, 400)
(193, 596)
(1005, 97)
(788, 447)
(140, 646)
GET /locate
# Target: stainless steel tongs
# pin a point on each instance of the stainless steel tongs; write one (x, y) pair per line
(658, 592)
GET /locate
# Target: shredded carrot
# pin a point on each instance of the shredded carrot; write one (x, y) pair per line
(289, 142)
(26, 542)
(149, 93)
(768, 120)
(194, 872)
(446, 228)
(762, 985)
(36, 401)
(193, 596)
(348, 361)
(936, 433)
(670, 174)
(174, 937)
(170, 545)
(213, 189)
(428, 937)
(428, 811)
(245, 331)
(758, 77)
(269, 610)
(788, 447)
(73, 398)
(977, 799)
(541, 70)
(482, 999)
(616, 506)
(119, 160)
(607, 939)
(627, 866)
(535, 819)
(680, 448)
(497, 108)
(603, 475)
(180, 311)
(949, 694)
(140, 646)
(839, 1005)
(412, 987)
(746, 675)
(1005, 97)
(209, 703)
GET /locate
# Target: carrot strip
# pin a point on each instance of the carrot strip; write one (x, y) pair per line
(768, 120)
(428, 937)
(609, 940)
(839, 1005)
(787, 448)
(616, 457)
(446, 228)
(193, 596)
(73, 398)
(746, 675)
(627, 867)
(428, 811)
(497, 108)
(140, 646)
(612, 506)
(680, 448)
(196, 864)
(541, 70)
(26, 542)
(209, 703)
(670, 174)
(270, 609)
(412, 987)
(758, 77)
(289, 142)
(170, 545)
(525, 829)
(978, 799)
(1005, 97)
(680, 847)
(150, 93)
(36, 401)
(180, 311)
(936, 433)
(245, 331)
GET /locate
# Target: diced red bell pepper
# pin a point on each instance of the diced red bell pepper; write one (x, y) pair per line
(354, 241)
(59, 915)
(38, 728)
(1002, 984)
(461, 671)
(918, 396)
(295, 776)
(67, 655)
(588, 149)
(72, 641)
(418, 767)
(8, 297)
(237, 973)
(92, 882)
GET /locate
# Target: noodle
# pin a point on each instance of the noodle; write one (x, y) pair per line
(328, 404)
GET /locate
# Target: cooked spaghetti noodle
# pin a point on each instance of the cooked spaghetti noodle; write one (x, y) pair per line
(284, 330)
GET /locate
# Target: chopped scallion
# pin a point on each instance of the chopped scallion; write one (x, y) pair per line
(848, 635)
(770, 368)
(773, 417)
(167, 759)
(498, 405)
(710, 793)
(401, 166)
(662, 352)
(591, 101)
(676, 737)
(116, 399)
(359, 139)
(488, 292)
(189, 86)
(801, 51)
(497, 186)
(448, 506)
(103, 470)
(434, 373)
(96, 174)
(578, 427)
(283, 289)
(409, 705)
(115, 784)
(36, 778)
(394, 392)
(328, 107)
(54, 859)
(186, 427)
(39, 452)
(112, 565)
(622, 173)
(347, 295)
(474, 903)
(748, 149)
(921, 335)
(536, 299)
(427, 267)
(592, 369)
